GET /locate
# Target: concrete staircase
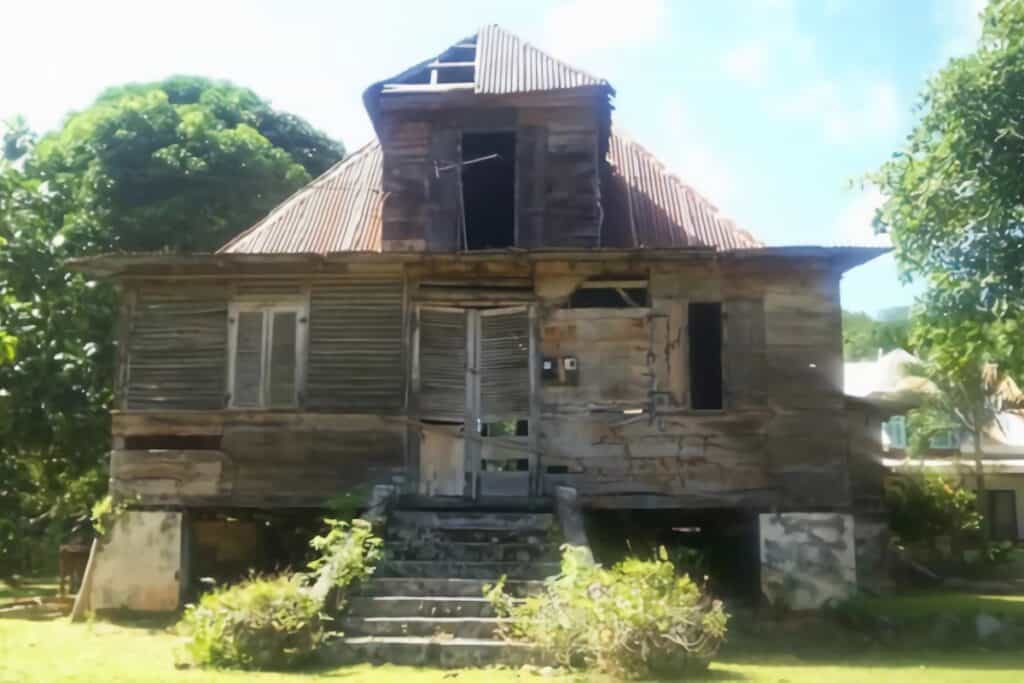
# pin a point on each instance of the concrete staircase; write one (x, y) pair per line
(425, 604)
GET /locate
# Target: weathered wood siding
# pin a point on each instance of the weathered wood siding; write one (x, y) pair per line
(557, 171)
(176, 347)
(265, 459)
(780, 439)
(356, 349)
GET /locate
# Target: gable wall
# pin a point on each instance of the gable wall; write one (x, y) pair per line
(557, 174)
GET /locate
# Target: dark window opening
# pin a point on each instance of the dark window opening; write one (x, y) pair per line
(509, 465)
(705, 337)
(1002, 515)
(557, 469)
(173, 442)
(608, 297)
(488, 190)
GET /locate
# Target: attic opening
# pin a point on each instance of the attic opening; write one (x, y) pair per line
(488, 189)
(704, 333)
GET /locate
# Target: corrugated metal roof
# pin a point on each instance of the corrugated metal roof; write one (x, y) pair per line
(341, 210)
(649, 206)
(507, 64)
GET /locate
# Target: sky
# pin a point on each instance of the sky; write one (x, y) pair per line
(772, 109)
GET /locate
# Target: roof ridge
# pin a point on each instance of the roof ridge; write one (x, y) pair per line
(527, 44)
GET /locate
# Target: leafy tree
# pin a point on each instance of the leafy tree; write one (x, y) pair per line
(183, 164)
(954, 199)
(178, 165)
(863, 336)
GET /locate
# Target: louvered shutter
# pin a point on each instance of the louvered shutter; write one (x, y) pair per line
(442, 363)
(248, 359)
(504, 364)
(282, 359)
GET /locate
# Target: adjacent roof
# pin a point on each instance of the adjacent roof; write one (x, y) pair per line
(646, 206)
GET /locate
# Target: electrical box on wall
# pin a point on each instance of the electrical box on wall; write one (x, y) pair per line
(570, 370)
(564, 370)
(549, 370)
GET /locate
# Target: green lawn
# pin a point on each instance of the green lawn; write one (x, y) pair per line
(45, 651)
(28, 588)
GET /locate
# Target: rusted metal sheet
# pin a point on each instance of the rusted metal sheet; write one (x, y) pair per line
(653, 207)
(507, 64)
(339, 211)
(356, 357)
(177, 349)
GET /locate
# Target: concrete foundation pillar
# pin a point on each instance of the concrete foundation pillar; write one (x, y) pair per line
(138, 564)
(807, 559)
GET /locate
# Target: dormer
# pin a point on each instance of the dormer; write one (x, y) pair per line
(491, 144)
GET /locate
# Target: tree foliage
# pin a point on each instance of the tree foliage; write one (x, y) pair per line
(179, 165)
(954, 200)
(864, 337)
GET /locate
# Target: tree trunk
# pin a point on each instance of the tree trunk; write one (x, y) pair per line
(979, 478)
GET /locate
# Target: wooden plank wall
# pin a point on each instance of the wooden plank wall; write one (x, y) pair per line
(176, 339)
(780, 439)
(356, 350)
(264, 459)
(557, 158)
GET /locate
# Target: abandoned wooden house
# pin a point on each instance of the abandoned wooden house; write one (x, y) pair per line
(501, 303)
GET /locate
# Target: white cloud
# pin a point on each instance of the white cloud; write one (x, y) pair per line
(580, 27)
(746, 62)
(854, 223)
(846, 114)
(688, 154)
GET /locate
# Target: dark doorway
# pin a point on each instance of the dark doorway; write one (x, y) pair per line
(488, 190)
(705, 337)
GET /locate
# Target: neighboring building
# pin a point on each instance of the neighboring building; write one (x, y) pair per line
(501, 296)
(893, 390)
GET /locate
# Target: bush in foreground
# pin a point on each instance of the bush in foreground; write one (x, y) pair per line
(278, 622)
(638, 618)
(261, 623)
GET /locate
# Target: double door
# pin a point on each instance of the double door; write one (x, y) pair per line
(473, 377)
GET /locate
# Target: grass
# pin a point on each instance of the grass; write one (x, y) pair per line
(144, 652)
(930, 603)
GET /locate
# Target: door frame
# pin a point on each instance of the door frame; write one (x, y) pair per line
(472, 441)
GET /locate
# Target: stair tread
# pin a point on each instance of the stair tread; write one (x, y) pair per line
(428, 598)
(433, 640)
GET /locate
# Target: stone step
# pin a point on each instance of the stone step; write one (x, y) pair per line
(467, 570)
(428, 651)
(418, 606)
(380, 586)
(470, 551)
(452, 627)
(471, 519)
(397, 534)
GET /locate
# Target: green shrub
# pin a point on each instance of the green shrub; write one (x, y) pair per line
(923, 508)
(638, 618)
(261, 623)
(278, 623)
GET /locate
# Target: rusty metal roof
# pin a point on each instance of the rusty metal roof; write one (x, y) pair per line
(645, 206)
(339, 211)
(507, 64)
